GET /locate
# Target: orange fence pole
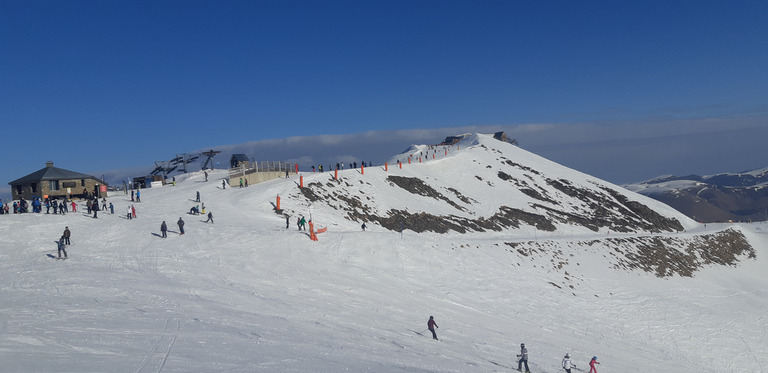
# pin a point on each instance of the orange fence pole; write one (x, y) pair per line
(278, 202)
(362, 170)
(385, 166)
(336, 174)
(301, 181)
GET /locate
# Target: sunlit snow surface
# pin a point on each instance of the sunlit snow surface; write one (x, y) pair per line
(248, 295)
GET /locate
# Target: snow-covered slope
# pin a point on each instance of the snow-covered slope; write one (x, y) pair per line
(246, 294)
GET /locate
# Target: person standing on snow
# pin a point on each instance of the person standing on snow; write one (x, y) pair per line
(223, 184)
(62, 247)
(567, 364)
(133, 211)
(431, 325)
(164, 229)
(210, 217)
(523, 358)
(287, 222)
(74, 206)
(181, 226)
(66, 235)
(138, 196)
(303, 223)
(592, 363)
(197, 198)
(130, 214)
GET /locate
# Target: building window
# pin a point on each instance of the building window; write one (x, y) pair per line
(53, 185)
(82, 182)
(34, 187)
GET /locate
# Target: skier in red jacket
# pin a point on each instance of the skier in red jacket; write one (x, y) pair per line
(592, 365)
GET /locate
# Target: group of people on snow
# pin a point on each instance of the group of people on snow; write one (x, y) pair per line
(522, 357)
(340, 166)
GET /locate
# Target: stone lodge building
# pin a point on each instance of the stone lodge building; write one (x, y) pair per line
(56, 183)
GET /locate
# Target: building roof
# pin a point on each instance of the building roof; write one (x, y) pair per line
(240, 158)
(51, 173)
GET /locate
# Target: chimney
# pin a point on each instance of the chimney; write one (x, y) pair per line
(49, 164)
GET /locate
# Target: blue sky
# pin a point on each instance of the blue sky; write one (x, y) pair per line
(101, 85)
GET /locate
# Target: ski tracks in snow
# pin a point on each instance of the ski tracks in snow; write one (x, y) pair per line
(161, 350)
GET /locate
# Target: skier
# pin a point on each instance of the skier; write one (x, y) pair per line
(363, 226)
(111, 208)
(431, 325)
(74, 206)
(181, 226)
(132, 200)
(210, 217)
(567, 364)
(206, 175)
(223, 184)
(592, 363)
(66, 235)
(133, 211)
(287, 221)
(62, 247)
(130, 213)
(138, 196)
(197, 199)
(523, 358)
(303, 223)
(95, 208)
(164, 229)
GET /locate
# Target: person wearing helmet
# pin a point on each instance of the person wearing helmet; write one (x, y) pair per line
(592, 363)
(567, 364)
(431, 325)
(523, 358)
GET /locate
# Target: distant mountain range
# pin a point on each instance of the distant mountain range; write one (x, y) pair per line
(722, 197)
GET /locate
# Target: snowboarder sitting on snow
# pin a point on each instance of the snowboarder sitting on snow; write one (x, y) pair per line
(62, 247)
(194, 211)
(523, 358)
(431, 325)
